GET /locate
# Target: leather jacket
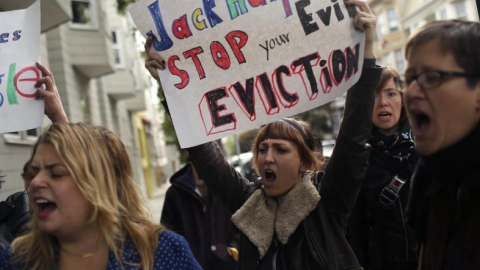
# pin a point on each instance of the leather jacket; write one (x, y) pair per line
(318, 241)
(14, 214)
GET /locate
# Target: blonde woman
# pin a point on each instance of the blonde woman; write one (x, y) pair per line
(88, 212)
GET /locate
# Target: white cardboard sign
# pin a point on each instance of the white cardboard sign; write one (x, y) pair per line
(19, 49)
(233, 65)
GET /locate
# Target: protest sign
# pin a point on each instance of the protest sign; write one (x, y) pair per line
(233, 65)
(19, 49)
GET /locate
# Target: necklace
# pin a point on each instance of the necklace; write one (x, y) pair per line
(83, 256)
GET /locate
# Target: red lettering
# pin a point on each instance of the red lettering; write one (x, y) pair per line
(220, 55)
(17, 76)
(236, 46)
(180, 28)
(256, 3)
(198, 65)
(178, 72)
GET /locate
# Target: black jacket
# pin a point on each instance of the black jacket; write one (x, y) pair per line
(444, 204)
(14, 215)
(205, 223)
(383, 240)
(318, 241)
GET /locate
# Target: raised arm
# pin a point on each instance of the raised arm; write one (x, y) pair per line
(53, 103)
(208, 159)
(221, 178)
(347, 166)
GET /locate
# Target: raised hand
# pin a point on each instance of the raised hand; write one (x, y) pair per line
(53, 103)
(365, 21)
(154, 61)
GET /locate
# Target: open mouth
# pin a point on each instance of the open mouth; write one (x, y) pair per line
(421, 122)
(45, 207)
(384, 115)
(270, 176)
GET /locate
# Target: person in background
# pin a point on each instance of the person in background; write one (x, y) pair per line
(191, 210)
(14, 211)
(377, 231)
(442, 99)
(295, 217)
(14, 215)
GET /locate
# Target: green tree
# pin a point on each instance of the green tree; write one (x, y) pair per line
(122, 5)
(320, 119)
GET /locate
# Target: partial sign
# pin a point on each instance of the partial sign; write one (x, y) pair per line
(19, 49)
(233, 65)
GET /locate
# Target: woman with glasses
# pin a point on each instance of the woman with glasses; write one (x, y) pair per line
(442, 99)
(377, 231)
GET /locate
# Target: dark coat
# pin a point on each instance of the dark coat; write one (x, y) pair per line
(318, 241)
(444, 207)
(390, 245)
(14, 215)
(205, 223)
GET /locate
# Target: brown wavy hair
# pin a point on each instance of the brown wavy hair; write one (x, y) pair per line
(101, 168)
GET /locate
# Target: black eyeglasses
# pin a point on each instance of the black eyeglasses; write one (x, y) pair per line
(433, 79)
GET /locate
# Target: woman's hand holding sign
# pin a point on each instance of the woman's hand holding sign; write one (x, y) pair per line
(154, 61)
(53, 103)
(365, 21)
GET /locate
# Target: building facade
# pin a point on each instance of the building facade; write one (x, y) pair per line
(398, 19)
(93, 53)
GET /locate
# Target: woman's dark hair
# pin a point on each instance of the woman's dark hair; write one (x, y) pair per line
(461, 38)
(389, 73)
(284, 130)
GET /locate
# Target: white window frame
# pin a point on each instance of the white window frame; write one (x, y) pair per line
(439, 14)
(392, 22)
(457, 4)
(93, 23)
(382, 29)
(386, 59)
(22, 137)
(118, 45)
(398, 61)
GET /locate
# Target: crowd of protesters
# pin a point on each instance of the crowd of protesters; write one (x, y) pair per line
(399, 191)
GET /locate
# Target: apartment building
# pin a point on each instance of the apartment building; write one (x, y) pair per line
(398, 19)
(94, 56)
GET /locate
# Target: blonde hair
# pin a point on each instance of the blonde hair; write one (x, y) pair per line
(101, 168)
(285, 131)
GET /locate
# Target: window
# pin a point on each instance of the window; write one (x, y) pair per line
(442, 14)
(83, 14)
(414, 27)
(399, 60)
(381, 24)
(28, 137)
(117, 48)
(386, 60)
(392, 20)
(460, 10)
(379, 61)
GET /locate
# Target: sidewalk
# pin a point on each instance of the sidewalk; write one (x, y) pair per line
(157, 200)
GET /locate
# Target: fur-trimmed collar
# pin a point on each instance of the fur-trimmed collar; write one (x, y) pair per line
(261, 216)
